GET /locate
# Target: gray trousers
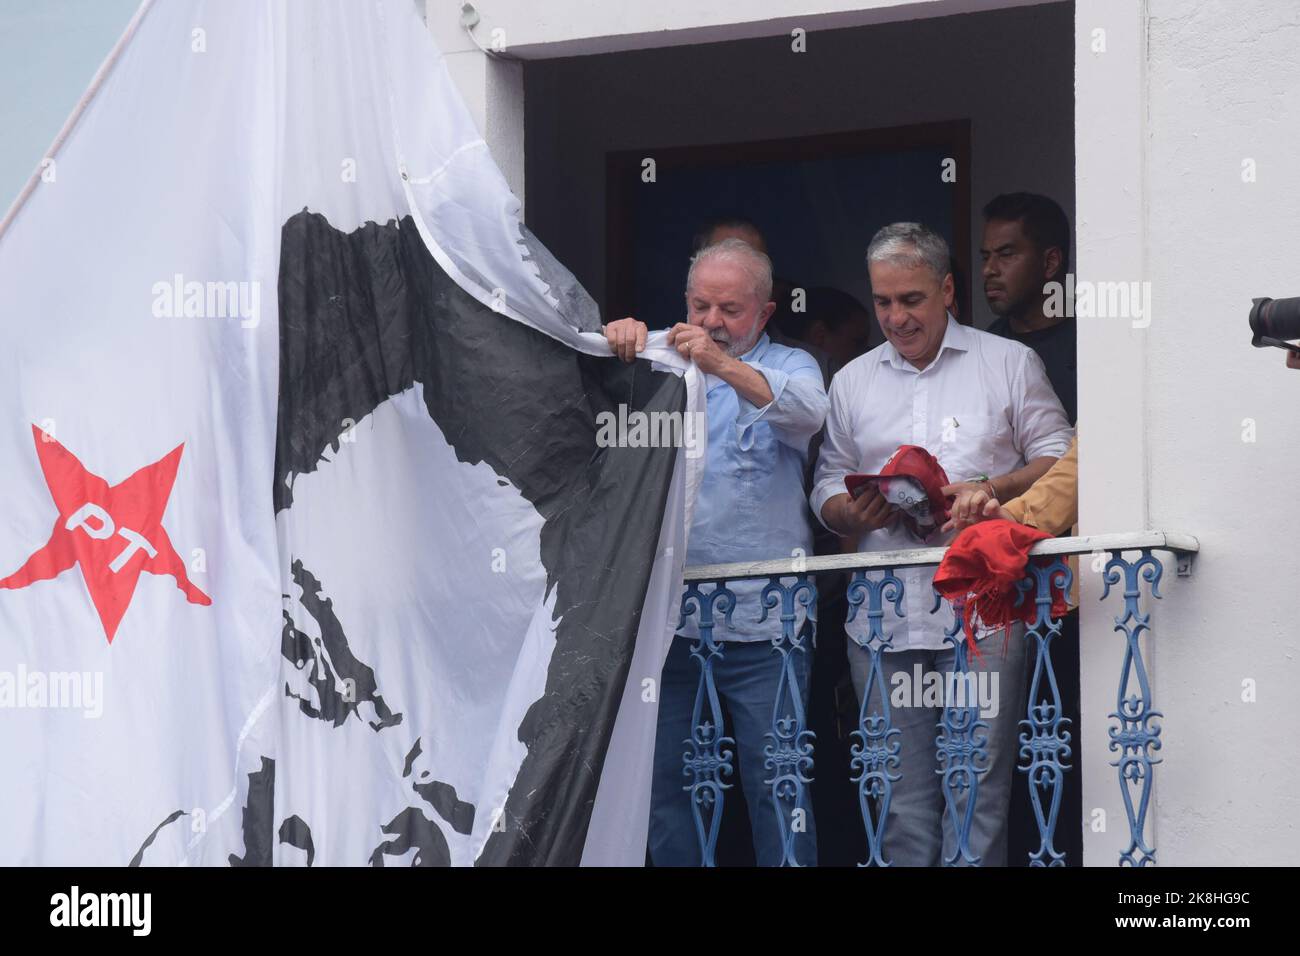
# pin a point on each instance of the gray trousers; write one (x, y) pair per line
(919, 827)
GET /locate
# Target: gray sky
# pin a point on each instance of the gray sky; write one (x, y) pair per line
(49, 50)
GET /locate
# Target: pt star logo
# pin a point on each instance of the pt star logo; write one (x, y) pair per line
(113, 533)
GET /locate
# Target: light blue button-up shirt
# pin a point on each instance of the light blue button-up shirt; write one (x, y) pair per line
(751, 504)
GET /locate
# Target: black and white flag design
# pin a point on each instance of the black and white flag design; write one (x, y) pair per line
(342, 572)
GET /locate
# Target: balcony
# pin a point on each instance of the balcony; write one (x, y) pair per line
(1131, 572)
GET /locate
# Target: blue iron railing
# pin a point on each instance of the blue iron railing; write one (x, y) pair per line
(961, 745)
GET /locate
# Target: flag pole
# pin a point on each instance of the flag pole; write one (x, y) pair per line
(100, 76)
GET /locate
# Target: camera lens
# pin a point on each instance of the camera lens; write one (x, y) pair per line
(1274, 319)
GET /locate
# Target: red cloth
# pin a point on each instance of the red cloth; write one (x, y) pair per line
(979, 574)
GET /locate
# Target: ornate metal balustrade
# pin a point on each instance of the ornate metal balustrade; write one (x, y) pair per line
(876, 591)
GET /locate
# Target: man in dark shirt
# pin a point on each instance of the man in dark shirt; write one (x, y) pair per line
(1026, 245)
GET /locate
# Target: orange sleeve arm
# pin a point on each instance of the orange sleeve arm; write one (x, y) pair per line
(1052, 502)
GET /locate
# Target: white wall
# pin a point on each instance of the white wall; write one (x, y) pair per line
(1165, 116)
(1223, 85)
(1009, 71)
(578, 27)
(1110, 139)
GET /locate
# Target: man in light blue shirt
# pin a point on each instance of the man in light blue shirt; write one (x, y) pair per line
(765, 403)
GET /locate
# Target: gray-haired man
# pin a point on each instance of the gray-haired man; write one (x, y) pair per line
(983, 406)
(765, 402)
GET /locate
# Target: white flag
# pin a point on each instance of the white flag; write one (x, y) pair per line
(311, 550)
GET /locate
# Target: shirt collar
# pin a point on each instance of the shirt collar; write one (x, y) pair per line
(755, 353)
(955, 336)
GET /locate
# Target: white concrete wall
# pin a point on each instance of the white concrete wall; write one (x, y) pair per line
(1110, 238)
(1223, 86)
(531, 29)
(1183, 94)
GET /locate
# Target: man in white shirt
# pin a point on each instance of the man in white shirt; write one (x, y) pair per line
(983, 406)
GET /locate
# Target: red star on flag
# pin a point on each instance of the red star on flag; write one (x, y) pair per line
(114, 533)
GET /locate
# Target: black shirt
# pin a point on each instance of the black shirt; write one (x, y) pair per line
(1056, 347)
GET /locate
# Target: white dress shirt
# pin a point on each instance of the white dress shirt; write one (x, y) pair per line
(983, 406)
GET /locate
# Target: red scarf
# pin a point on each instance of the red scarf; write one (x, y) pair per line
(979, 574)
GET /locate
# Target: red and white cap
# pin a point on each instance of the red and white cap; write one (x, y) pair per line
(911, 481)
